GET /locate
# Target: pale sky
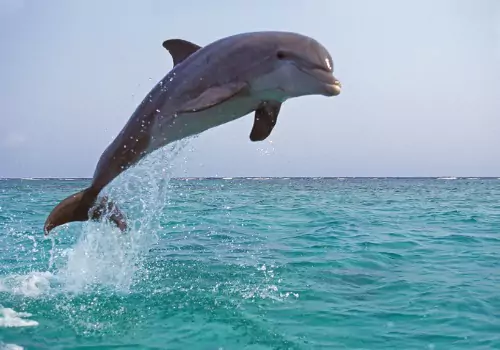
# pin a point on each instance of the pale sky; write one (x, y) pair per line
(421, 80)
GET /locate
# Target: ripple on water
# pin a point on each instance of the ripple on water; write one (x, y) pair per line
(358, 263)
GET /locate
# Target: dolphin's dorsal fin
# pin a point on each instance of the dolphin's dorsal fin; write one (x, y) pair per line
(265, 120)
(180, 49)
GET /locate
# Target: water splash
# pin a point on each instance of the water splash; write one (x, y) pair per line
(103, 256)
(266, 149)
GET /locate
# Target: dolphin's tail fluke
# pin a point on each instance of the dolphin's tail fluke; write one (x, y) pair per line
(81, 207)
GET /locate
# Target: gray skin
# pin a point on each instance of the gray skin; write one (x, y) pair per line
(209, 86)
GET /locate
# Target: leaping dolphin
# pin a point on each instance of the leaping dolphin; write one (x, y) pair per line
(208, 86)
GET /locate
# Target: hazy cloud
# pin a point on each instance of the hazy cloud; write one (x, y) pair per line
(12, 140)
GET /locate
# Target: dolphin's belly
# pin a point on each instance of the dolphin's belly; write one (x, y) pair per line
(170, 129)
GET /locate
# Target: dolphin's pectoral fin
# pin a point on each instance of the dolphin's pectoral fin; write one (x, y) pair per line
(265, 120)
(212, 97)
(180, 49)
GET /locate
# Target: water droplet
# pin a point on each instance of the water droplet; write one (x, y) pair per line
(158, 111)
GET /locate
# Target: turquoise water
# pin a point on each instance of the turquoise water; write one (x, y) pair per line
(255, 264)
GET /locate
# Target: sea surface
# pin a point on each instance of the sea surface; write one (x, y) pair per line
(283, 263)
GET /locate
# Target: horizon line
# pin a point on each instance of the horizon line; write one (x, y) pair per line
(269, 177)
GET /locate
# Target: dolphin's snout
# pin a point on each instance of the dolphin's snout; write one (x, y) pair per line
(334, 87)
(337, 87)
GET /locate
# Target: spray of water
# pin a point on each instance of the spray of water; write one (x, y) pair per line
(103, 256)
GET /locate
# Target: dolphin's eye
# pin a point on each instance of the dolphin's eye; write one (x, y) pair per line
(280, 55)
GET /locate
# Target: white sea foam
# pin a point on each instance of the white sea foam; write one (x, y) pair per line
(32, 284)
(4, 346)
(12, 318)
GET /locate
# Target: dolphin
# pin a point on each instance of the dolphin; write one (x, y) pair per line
(207, 87)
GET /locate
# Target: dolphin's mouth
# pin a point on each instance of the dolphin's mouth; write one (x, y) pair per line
(332, 86)
(334, 89)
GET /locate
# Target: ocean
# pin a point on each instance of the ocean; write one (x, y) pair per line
(255, 263)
